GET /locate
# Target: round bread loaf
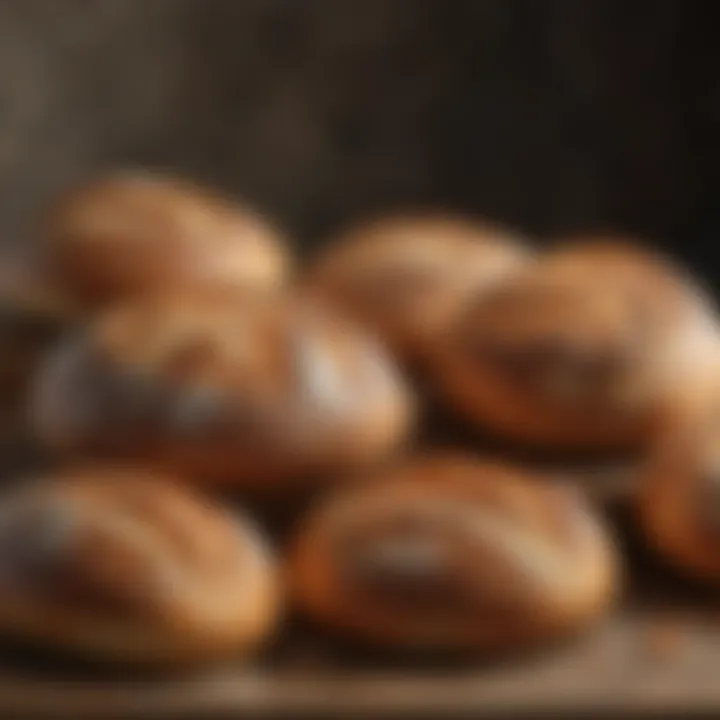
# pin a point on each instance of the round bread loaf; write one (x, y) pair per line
(124, 566)
(128, 233)
(407, 276)
(224, 390)
(576, 351)
(450, 553)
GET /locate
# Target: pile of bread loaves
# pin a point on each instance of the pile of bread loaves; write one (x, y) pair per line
(171, 360)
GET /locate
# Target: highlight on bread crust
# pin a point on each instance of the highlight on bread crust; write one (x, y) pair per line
(679, 500)
(124, 566)
(576, 350)
(132, 232)
(450, 553)
(406, 276)
(224, 390)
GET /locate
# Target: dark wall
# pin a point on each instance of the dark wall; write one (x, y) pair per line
(553, 114)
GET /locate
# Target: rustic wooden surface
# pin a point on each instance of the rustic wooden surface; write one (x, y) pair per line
(639, 661)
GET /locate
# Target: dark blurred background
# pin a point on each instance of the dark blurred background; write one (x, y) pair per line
(555, 115)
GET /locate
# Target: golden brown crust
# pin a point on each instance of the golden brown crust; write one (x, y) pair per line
(239, 392)
(127, 566)
(127, 233)
(405, 276)
(679, 499)
(575, 351)
(453, 553)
